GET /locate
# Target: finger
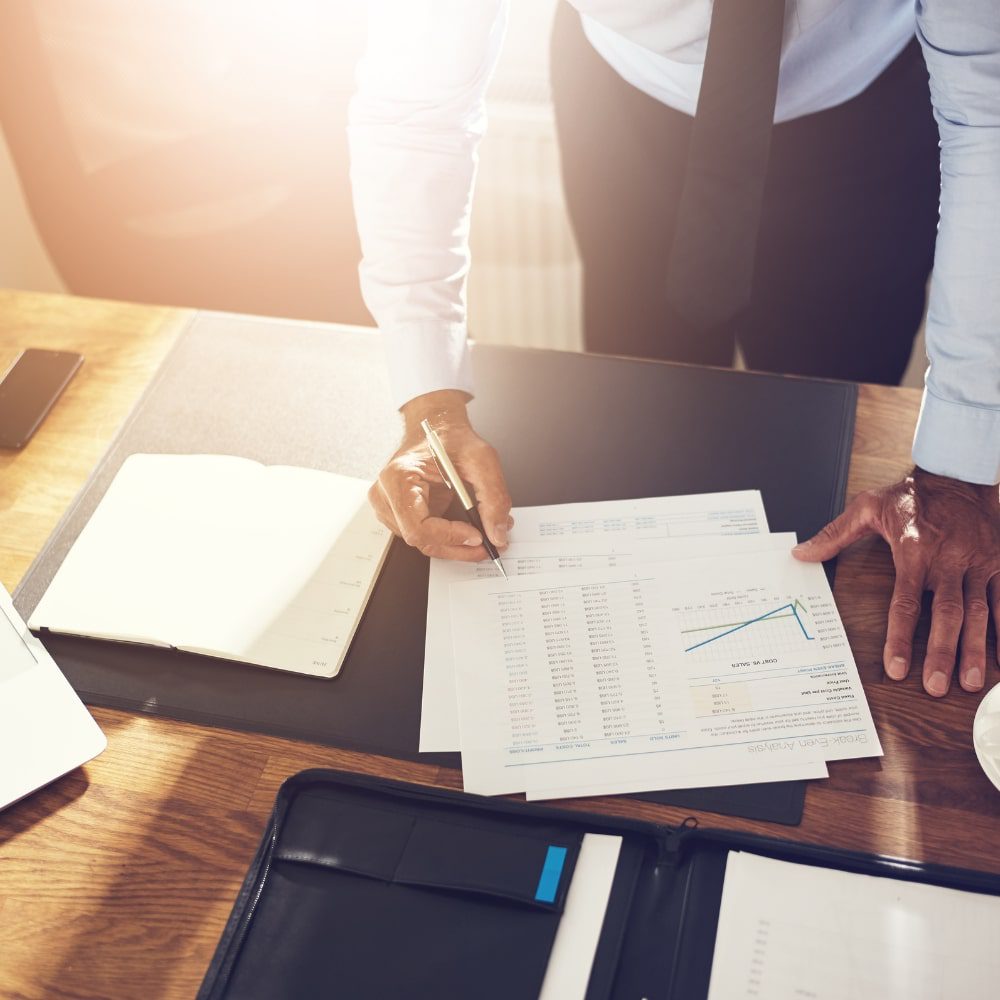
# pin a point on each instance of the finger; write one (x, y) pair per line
(381, 507)
(994, 597)
(485, 476)
(904, 613)
(972, 645)
(406, 493)
(441, 532)
(947, 612)
(459, 553)
(856, 522)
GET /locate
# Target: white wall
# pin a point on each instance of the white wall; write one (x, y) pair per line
(23, 260)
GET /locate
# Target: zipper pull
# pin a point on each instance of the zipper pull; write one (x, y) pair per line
(671, 844)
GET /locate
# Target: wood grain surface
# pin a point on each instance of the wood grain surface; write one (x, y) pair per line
(116, 881)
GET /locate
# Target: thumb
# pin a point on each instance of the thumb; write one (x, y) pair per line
(856, 522)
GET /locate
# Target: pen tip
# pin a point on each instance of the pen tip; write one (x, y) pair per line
(503, 572)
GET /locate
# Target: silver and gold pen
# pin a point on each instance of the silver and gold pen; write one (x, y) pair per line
(454, 482)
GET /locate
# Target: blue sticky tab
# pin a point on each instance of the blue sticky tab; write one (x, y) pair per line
(548, 881)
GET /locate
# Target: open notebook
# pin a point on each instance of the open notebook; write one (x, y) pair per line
(212, 554)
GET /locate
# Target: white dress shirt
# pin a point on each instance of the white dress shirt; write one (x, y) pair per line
(419, 114)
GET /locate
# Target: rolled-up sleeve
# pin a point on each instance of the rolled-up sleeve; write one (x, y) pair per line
(958, 433)
(415, 124)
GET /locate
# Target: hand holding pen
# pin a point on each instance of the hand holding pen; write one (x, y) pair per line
(454, 481)
(411, 499)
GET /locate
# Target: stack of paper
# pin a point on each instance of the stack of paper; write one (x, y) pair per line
(640, 645)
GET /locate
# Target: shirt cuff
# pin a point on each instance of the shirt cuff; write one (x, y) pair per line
(425, 358)
(958, 440)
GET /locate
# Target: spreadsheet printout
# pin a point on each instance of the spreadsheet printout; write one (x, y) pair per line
(607, 678)
(439, 712)
(577, 536)
(696, 515)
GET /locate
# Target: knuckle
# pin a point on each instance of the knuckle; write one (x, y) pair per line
(497, 497)
(905, 606)
(977, 609)
(399, 470)
(954, 557)
(909, 548)
(830, 530)
(941, 651)
(411, 537)
(488, 457)
(867, 504)
(949, 609)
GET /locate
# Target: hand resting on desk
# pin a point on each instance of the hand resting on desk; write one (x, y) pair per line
(409, 495)
(945, 537)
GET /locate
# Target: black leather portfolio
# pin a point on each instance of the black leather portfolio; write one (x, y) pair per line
(378, 890)
(569, 427)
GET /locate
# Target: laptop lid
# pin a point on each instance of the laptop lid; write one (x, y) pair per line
(45, 730)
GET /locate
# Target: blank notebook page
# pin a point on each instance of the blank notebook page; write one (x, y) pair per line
(270, 565)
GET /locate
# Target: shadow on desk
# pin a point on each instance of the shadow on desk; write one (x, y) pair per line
(175, 847)
(42, 804)
(161, 844)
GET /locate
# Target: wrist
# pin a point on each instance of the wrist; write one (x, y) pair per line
(934, 480)
(443, 407)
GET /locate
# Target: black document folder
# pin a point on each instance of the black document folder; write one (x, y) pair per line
(378, 890)
(569, 427)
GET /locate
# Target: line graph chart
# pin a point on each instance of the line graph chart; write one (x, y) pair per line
(755, 624)
(729, 628)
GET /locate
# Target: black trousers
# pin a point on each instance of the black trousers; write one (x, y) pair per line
(847, 235)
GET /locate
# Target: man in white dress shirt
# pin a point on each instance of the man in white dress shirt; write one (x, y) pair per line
(796, 212)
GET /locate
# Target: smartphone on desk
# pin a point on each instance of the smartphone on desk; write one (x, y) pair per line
(28, 390)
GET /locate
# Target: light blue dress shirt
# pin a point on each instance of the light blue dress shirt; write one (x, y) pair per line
(958, 433)
(420, 111)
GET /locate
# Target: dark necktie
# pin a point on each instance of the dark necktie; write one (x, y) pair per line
(710, 272)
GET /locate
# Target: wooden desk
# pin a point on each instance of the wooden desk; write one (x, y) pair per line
(117, 880)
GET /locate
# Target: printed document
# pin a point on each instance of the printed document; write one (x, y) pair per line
(439, 717)
(638, 678)
(581, 536)
(788, 931)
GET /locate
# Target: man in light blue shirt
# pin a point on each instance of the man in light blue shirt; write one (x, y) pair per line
(852, 140)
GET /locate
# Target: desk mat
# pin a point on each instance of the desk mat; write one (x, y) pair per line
(569, 427)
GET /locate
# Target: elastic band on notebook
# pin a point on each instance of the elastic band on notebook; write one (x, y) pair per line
(548, 881)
